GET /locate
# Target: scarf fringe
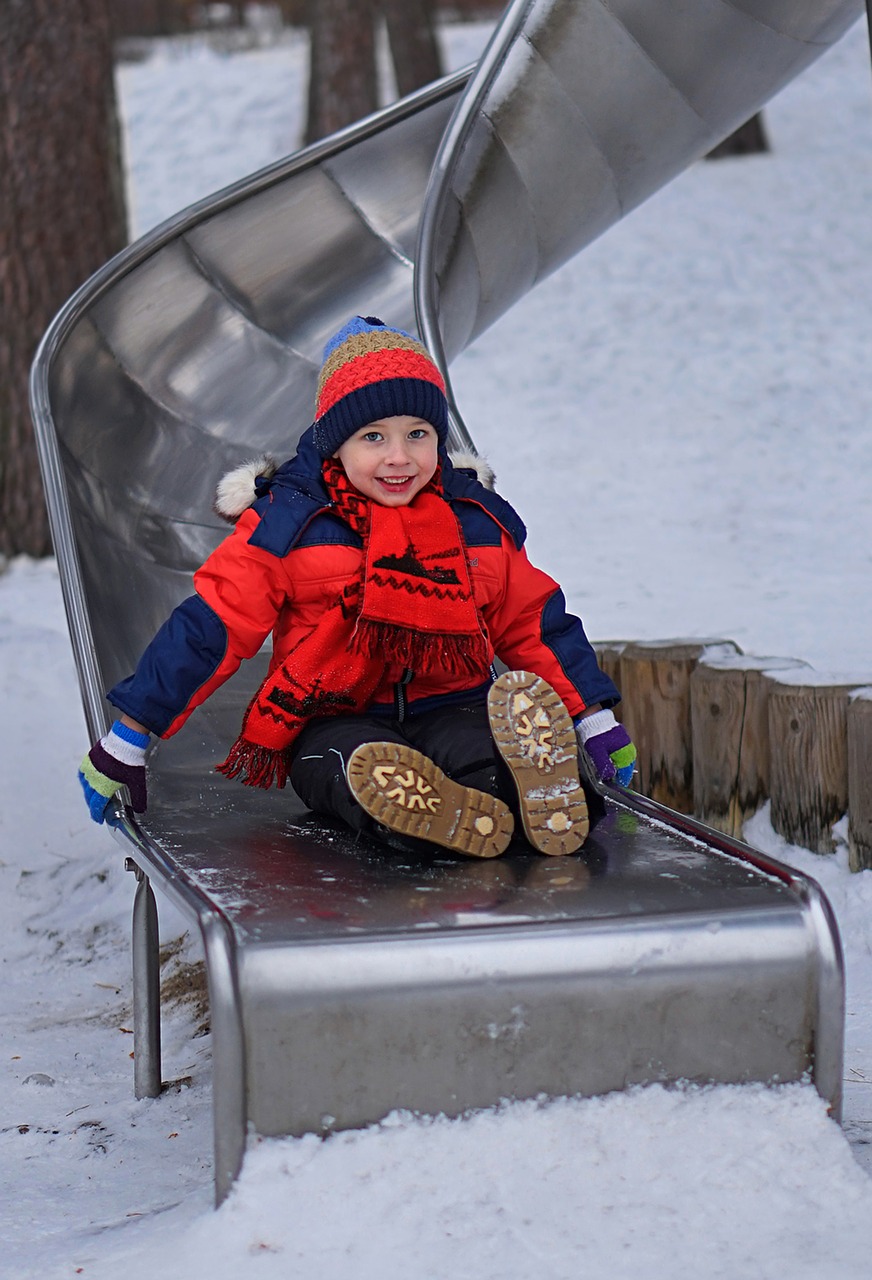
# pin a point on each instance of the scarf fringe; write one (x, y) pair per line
(423, 651)
(259, 766)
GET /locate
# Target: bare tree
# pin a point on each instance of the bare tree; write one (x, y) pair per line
(61, 212)
(342, 71)
(343, 83)
(414, 47)
(748, 140)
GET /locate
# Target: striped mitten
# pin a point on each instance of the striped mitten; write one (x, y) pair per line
(116, 760)
(609, 747)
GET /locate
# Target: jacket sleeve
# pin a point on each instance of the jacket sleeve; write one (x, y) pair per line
(240, 591)
(531, 630)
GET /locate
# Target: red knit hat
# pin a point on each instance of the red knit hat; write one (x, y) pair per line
(372, 371)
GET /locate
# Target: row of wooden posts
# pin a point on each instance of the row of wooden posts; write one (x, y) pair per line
(719, 732)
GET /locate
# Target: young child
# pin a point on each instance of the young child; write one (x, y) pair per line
(390, 579)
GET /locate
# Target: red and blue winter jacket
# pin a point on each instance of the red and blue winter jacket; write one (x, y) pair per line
(287, 560)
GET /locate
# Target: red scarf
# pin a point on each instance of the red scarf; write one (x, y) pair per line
(412, 606)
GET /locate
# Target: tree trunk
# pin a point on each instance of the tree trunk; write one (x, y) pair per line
(748, 140)
(414, 47)
(342, 72)
(655, 686)
(61, 212)
(808, 736)
(860, 780)
(729, 712)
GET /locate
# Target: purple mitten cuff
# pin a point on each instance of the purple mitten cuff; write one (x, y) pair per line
(120, 757)
(608, 746)
(600, 747)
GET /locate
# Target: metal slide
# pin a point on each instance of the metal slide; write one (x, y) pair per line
(345, 981)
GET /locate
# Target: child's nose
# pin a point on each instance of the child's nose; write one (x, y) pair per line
(397, 452)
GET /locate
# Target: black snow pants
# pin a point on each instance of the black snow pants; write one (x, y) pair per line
(456, 738)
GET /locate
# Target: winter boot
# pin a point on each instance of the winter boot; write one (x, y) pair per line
(407, 793)
(534, 735)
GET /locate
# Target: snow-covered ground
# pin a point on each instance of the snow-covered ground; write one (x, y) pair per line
(703, 379)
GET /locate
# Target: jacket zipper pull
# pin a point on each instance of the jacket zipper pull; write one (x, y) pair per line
(400, 693)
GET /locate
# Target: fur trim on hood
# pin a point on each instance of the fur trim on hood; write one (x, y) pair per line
(483, 470)
(237, 490)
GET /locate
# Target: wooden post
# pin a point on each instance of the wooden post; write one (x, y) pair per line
(860, 780)
(730, 721)
(655, 684)
(808, 736)
(608, 654)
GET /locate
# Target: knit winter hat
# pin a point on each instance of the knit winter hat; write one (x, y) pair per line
(372, 371)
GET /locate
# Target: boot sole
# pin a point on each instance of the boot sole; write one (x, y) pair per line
(405, 791)
(534, 734)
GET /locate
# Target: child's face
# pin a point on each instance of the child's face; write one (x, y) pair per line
(391, 460)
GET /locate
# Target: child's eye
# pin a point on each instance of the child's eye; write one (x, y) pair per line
(418, 433)
(372, 436)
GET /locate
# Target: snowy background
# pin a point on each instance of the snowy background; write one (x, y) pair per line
(702, 381)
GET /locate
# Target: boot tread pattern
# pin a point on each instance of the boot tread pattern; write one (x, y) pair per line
(534, 735)
(405, 791)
